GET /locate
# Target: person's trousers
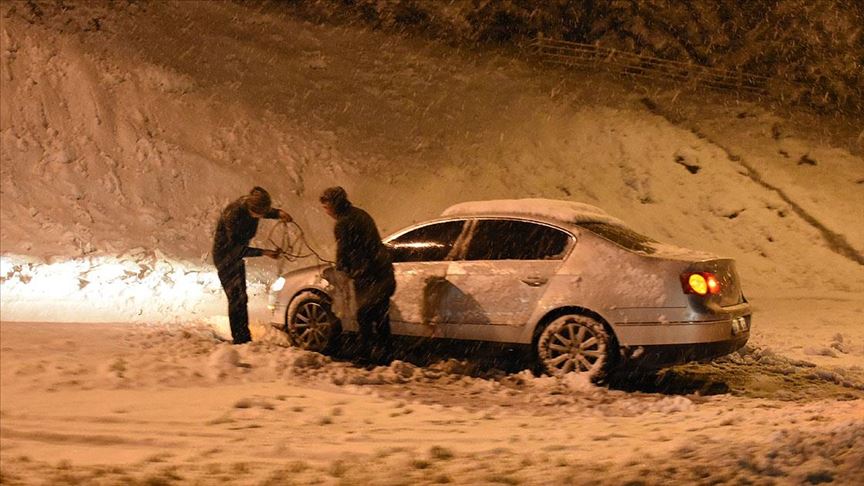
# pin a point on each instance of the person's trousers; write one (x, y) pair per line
(373, 312)
(374, 320)
(233, 279)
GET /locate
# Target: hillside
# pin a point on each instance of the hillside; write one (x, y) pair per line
(811, 49)
(126, 127)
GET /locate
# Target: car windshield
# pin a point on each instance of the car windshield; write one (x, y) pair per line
(622, 236)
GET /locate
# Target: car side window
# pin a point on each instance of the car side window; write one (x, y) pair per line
(516, 240)
(431, 243)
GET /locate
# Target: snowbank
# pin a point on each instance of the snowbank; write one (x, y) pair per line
(138, 286)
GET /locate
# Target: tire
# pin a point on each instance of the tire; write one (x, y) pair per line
(311, 324)
(575, 343)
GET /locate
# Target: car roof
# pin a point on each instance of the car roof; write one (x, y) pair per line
(553, 210)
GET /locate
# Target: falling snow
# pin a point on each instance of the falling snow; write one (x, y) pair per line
(126, 127)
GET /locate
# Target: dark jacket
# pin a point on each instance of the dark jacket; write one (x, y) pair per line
(234, 231)
(359, 251)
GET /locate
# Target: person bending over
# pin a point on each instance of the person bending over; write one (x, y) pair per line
(364, 258)
(236, 227)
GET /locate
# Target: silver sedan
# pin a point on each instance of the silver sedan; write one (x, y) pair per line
(579, 287)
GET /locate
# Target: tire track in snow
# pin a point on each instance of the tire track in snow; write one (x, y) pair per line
(836, 241)
(51, 437)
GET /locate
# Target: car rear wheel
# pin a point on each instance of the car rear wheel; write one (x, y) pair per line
(311, 324)
(574, 343)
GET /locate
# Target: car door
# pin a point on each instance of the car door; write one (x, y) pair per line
(503, 272)
(420, 260)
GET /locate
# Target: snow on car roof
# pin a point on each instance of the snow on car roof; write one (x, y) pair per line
(554, 209)
(567, 212)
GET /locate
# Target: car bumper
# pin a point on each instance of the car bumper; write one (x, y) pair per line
(277, 314)
(669, 343)
(730, 328)
(659, 356)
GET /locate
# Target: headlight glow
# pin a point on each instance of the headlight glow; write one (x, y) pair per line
(278, 284)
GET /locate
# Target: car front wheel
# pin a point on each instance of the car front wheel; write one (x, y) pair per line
(310, 323)
(574, 343)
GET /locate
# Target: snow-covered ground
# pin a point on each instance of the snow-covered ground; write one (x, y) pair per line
(125, 128)
(111, 403)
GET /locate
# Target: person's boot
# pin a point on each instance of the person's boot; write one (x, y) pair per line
(381, 351)
(363, 352)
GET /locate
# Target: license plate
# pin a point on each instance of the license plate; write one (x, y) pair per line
(740, 325)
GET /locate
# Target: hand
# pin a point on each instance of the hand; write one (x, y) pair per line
(274, 254)
(285, 217)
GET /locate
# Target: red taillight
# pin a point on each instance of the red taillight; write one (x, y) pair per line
(702, 283)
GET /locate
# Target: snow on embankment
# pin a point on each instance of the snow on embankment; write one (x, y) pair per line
(114, 171)
(125, 128)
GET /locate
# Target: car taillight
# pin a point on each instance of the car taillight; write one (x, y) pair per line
(702, 283)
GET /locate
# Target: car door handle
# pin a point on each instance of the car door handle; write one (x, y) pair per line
(534, 281)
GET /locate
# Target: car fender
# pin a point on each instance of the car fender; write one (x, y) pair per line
(551, 305)
(321, 279)
(296, 281)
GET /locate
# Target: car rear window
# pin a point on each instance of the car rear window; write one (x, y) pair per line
(622, 236)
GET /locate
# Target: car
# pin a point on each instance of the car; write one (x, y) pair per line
(584, 291)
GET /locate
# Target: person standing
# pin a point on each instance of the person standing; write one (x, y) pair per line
(364, 258)
(236, 227)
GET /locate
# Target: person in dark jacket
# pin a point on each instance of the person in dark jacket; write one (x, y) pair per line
(237, 226)
(363, 257)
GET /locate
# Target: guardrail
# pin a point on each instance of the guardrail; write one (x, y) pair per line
(636, 65)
